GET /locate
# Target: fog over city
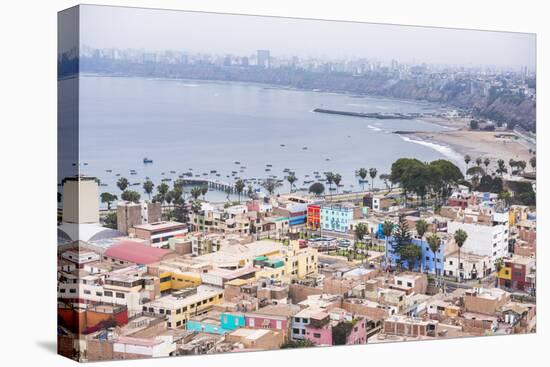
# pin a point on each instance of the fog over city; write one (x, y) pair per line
(157, 30)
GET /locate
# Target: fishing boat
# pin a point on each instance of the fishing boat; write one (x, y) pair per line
(108, 170)
(147, 160)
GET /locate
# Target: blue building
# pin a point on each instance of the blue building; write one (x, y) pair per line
(427, 262)
(232, 321)
(338, 217)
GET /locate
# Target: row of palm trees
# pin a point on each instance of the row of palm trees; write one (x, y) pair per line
(501, 169)
(362, 174)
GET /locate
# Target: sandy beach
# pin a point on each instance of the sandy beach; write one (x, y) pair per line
(484, 144)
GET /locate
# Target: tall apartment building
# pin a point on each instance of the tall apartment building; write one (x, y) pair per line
(130, 214)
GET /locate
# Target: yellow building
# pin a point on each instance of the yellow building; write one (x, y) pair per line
(300, 262)
(180, 306)
(172, 279)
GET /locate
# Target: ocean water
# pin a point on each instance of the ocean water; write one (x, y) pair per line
(203, 126)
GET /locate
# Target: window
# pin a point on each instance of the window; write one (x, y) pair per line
(178, 323)
(169, 324)
(119, 295)
(178, 311)
(168, 312)
(251, 322)
(144, 308)
(87, 291)
(279, 325)
(62, 290)
(99, 294)
(108, 293)
(72, 290)
(316, 335)
(296, 331)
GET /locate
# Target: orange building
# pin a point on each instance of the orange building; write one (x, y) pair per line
(313, 217)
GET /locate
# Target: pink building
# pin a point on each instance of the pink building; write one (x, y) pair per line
(337, 328)
(263, 321)
(319, 330)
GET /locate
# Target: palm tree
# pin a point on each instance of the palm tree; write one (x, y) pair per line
(421, 228)
(291, 178)
(486, 162)
(501, 167)
(204, 190)
(330, 180)
(337, 178)
(387, 230)
(122, 183)
(196, 192)
(148, 187)
(467, 160)
(433, 243)
(360, 231)
(362, 173)
(533, 162)
(239, 187)
(460, 237)
(108, 198)
(162, 191)
(372, 173)
(479, 161)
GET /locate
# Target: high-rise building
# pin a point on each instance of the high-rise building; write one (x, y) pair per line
(264, 59)
(80, 200)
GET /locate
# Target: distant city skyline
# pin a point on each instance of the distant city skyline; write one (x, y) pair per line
(160, 30)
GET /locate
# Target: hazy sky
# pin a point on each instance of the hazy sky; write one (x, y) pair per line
(105, 27)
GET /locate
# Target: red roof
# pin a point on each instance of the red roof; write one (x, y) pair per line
(136, 252)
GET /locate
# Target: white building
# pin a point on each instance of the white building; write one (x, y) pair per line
(483, 239)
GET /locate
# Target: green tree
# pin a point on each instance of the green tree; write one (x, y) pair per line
(196, 206)
(317, 188)
(204, 191)
(239, 187)
(533, 162)
(479, 161)
(162, 190)
(434, 242)
(362, 174)
(129, 195)
(148, 187)
(180, 212)
(460, 237)
(411, 253)
(330, 179)
(467, 160)
(372, 173)
(486, 162)
(387, 230)
(291, 178)
(501, 167)
(108, 198)
(122, 183)
(361, 230)
(337, 178)
(179, 184)
(401, 237)
(421, 228)
(505, 196)
(196, 192)
(110, 220)
(270, 185)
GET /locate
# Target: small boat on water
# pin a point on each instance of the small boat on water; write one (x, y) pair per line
(237, 162)
(283, 145)
(166, 179)
(147, 160)
(327, 159)
(268, 170)
(172, 171)
(136, 184)
(304, 148)
(103, 185)
(118, 174)
(109, 170)
(269, 165)
(213, 171)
